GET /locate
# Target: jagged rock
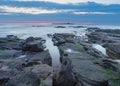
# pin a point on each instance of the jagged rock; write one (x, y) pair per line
(99, 37)
(24, 79)
(41, 70)
(87, 70)
(34, 45)
(10, 42)
(62, 38)
(66, 76)
(24, 62)
(44, 57)
(113, 51)
(102, 36)
(5, 76)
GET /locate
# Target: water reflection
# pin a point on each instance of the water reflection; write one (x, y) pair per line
(54, 52)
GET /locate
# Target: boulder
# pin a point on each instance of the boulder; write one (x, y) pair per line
(41, 70)
(62, 38)
(34, 45)
(44, 57)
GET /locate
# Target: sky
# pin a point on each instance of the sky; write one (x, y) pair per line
(82, 11)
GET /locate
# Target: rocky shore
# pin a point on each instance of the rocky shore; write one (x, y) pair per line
(24, 62)
(27, 62)
(82, 64)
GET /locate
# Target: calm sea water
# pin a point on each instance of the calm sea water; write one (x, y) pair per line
(24, 31)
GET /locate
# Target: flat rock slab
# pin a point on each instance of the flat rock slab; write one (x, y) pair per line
(9, 54)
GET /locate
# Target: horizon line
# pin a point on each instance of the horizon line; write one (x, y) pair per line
(53, 22)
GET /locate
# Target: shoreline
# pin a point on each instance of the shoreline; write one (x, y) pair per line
(81, 64)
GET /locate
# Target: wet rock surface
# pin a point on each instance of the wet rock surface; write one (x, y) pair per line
(24, 62)
(33, 44)
(104, 36)
(83, 65)
(109, 38)
(24, 79)
(113, 50)
(61, 38)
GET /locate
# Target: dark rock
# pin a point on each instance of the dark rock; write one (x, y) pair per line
(60, 27)
(6, 54)
(5, 76)
(111, 31)
(50, 35)
(84, 68)
(104, 36)
(62, 38)
(24, 79)
(10, 42)
(89, 75)
(48, 81)
(92, 29)
(77, 26)
(12, 37)
(66, 77)
(41, 70)
(34, 45)
(31, 63)
(98, 37)
(44, 57)
(113, 51)
(107, 64)
(24, 62)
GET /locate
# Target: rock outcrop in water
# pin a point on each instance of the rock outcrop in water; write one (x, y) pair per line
(24, 62)
(83, 65)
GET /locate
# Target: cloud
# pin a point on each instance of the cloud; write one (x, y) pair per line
(77, 1)
(9, 10)
(83, 13)
(25, 10)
